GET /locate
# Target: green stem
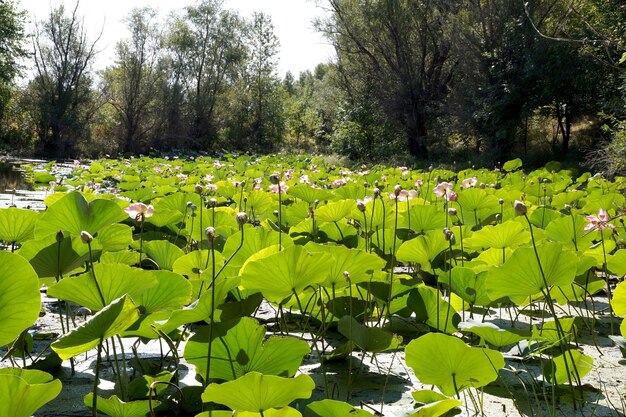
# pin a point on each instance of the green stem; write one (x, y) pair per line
(94, 403)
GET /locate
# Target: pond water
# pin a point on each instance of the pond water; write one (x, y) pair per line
(12, 178)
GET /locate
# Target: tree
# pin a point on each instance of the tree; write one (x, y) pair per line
(206, 44)
(63, 55)
(12, 50)
(131, 85)
(268, 120)
(396, 54)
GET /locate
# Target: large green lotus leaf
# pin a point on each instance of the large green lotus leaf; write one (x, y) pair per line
(19, 296)
(290, 271)
(222, 218)
(171, 291)
(111, 320)
(176, 202)
(469, 286)
(74, 214)
(195, 263)
(476, 205)
(51, 258)
(361, 265)
(550, 334)
(115, 237)
(333, 408)
(256, 392)
(542, 217)
(423, 218)
(337, 232)
(490, 257)
(578, 365)
(24, 391)
(255, 239)
(309, 194)
(293, 214)
(163, 252)
(350, 191)
(493, 334)
(274, 412)
(617, 262)
(432, 309)
(368, 339)
(512, 165)
(240, 347)
(596, 201)
(383, 240)
(599, 251)
(451, 365)
(423, 249)
(114, 407)
(200, 310)
(570, 231)
(335, 211)
(505, 235)
(561, 199)
(618, 303)
(521, 277)
(114, 280)
(258, 203)
(17, 225)
(434, 404)
(125, 257)
(144, 194)
(164, 217)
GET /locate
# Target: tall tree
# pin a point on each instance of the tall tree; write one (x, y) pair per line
(131, 85)
(63, 55)
(266, 103)
(12, 50)
(397, 55)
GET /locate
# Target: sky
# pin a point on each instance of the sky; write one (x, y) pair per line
(301, 48)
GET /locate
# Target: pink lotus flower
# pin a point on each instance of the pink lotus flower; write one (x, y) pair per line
(404, 195)
(451, 196)
(139, 211)
(217, 164)
(283, 187)
(442, 189)
(469, 182)
(211, 187)
(419, 183)
(339, 182)
(599, 222)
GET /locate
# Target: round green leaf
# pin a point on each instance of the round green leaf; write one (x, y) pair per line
(163, 252)
(24, 391)
(368, 339)
(333, 408)
(334, 211)
(256, 392)
(493, 334)
(619, 299)
(505, 235)
(578, 365)
(19, 296)
(114, 407)
(521, 277)
(17, 225)
(450, 364)
(111, 320)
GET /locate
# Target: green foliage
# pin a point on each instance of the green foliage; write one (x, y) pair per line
(24, 391)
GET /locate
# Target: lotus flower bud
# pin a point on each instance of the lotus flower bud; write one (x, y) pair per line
(520, 208)
(274, 179)
(60, 236)
(212, 203)
(242, 218)
(397, 189)
(275, 213)
(501, 201)
(210, 233)
(452, 211)
(360, 205)
(347, 275)
(376, 192)
(447, 233)
(191, 206)
(86, 237)
(198, 188)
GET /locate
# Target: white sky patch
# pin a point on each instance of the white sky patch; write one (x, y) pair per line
(301, 47)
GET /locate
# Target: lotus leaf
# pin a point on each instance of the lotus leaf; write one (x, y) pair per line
(430, 308)
(493, 334)
(578, 365)
(163, 252)
(521, 276)
(452, 365)
(280, 275)
(368, 339)
(74, 214)
(17, 225)
(24, 391)
(19, 296)
(434, 404)
(423, 249)
(51, 258)
(256, 392)
(333, 408)
(114, 407)
(110, 321)
(240, 347)
(334, 211)
(506, 235)
(115, 280)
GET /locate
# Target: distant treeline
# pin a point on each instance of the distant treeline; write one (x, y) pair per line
(433, 79)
